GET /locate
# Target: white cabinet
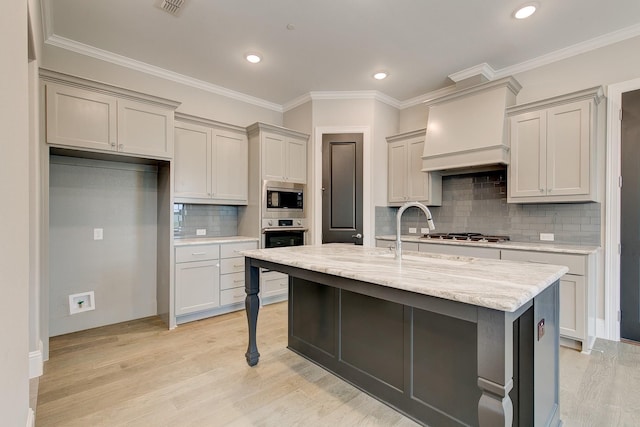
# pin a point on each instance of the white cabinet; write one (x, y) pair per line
(556, 149)
(209, 279)
(96, 119)
(577, 294)
(197, 284)
(211, 162)
(274, 286)
(283, 152)
(406, 182)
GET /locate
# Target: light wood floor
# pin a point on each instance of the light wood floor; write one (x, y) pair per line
(139, 374)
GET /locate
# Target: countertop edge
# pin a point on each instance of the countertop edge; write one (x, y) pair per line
(518, 246)
(194, 241)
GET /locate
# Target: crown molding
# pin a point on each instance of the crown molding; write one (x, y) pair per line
(428, 97)
(124, 61)
(483, 69)
(568, 52)
(296, 102)
(356, 94)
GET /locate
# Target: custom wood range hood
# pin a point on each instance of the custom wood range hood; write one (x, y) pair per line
(466, 130)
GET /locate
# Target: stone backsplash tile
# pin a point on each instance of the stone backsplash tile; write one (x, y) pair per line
(478, 203)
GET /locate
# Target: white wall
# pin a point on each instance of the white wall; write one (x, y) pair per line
(14, 226)
(194, 101)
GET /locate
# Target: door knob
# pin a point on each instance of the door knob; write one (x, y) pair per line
(357, 236)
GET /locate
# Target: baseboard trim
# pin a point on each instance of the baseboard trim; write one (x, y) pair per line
(31, 418)
(35, 362)
(601, 329)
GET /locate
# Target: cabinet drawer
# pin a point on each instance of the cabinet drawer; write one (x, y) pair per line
(197, 253)
(232, 296)
(576, 263)
(273, 283)
(231, 250)
(232, 265)
(230, 281)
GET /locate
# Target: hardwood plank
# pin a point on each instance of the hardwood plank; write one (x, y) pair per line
(138, 373)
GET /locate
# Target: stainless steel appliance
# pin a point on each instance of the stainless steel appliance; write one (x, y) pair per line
(281, 200)
(467, 237)
(278, 232)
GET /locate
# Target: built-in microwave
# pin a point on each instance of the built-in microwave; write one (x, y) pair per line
(282, 200)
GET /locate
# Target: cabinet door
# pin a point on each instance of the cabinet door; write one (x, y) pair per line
(192, 162)
(527, 171)
(230, 173)
(273, 284)
(80, 118)
(273, 165)
(418, 181)
(572, 306)
(568, 149)
(145, 130)
(197, 286)
(296, 161)
(397, 172)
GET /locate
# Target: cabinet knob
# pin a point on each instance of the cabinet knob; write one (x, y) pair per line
(121, 147)
(542, 190)
(113, 144)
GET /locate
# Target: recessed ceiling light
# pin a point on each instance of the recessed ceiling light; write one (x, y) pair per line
(525, 11)
(380, 75)
(254, 58)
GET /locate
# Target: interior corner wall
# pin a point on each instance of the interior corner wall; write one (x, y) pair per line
(413, 118)
(386, 124)
(14, 227)
(194, 101)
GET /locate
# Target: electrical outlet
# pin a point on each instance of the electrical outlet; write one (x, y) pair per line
(412, 230)
(98, 233)
(84, 301)
(547, 237)
(201, 232)
(424, 230)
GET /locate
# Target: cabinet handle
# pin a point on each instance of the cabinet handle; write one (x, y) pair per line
(198, 253)
(238, 281)
(113, 144)
(536, 262)
(542, 190)
(238, 265)
(121, 147)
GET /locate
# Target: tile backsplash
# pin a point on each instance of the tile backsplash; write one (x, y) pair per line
(219, 221)
(478, 203)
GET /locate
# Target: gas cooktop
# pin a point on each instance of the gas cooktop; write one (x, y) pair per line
(468, 237)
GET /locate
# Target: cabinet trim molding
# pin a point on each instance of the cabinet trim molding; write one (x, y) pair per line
(595, 93)
(259, 126)
(105, 88)
(188, 118)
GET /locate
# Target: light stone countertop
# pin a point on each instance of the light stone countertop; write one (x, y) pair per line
(496, 284)
(520, 246)
(212, 240)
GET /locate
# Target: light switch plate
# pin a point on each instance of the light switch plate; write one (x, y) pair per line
(201, 232)
(413, 230)
(547, 237)
(98, 233)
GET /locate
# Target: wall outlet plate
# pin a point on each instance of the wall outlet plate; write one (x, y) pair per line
(201, 232)
(424, 230)
(84, 301)
(547, 237)
(413, 230)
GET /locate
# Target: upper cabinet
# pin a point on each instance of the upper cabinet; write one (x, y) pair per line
(284, 153)
(557, 149)
(406, 181)
(93, 116)
(211, 162)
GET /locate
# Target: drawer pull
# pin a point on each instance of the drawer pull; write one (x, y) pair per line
(238, 295)
(198, 253)
(238, 265)
(537, 262)
(238, 281)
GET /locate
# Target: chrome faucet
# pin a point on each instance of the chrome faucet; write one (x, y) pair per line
(403, 208)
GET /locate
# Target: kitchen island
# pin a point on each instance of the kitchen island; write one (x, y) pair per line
(445, 340)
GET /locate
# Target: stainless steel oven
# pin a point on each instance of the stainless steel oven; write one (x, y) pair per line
(282, 200)
(283, 232)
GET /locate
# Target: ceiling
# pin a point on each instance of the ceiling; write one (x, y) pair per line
(337, 45)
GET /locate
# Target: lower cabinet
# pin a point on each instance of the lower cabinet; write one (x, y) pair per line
(460, 250)
(274, 286)
(209, 279)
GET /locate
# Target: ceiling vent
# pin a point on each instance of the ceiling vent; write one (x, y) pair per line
(172, 7)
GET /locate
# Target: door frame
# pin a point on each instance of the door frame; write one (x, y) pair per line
(611, 328)
(315, 212)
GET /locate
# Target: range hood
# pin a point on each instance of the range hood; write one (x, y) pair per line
(466, 130)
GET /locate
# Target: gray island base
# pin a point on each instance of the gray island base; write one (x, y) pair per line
(447, 341)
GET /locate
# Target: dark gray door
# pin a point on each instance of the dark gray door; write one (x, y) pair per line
(630, 218)
(342, 188)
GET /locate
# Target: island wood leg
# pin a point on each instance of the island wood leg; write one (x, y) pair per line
(495, 367)
(252, 305)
